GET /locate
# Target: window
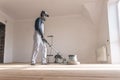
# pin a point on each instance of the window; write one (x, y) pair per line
(114, 30)
(119, 12)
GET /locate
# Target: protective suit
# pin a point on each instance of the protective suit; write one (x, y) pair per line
(39, 40)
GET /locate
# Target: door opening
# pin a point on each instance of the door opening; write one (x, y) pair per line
(2, 41)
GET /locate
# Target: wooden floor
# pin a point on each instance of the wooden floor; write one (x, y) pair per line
(59, 72)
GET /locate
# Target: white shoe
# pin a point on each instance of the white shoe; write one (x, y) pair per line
(33, 63)
(44, 63)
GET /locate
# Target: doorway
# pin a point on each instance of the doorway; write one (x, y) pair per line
(2, 41)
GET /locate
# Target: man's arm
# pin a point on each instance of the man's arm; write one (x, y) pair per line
(44, 40)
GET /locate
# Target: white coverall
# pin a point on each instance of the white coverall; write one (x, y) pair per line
(39, 45)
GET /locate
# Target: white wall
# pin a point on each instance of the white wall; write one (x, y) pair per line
(73, 34)
(103, 30)
(23, 41)
(8, 52)
(103, 27)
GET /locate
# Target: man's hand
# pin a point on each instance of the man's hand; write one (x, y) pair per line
(44, 40)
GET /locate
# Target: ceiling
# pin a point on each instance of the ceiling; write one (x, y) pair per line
(28, 9)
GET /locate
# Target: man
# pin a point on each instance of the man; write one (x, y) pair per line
(39, 40)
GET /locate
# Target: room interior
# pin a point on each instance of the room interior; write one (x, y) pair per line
(86, 28)
(77, 27)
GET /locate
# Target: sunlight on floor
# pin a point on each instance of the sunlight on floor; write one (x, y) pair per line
(59, 67)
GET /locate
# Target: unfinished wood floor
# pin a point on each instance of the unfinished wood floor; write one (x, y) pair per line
(59, 72)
